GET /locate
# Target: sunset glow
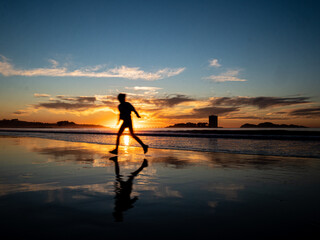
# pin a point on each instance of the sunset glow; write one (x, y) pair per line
(256, 63)
(115, 114)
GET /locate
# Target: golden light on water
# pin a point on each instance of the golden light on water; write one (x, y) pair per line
(126, 140)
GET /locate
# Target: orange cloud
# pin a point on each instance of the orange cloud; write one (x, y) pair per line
(165, 110)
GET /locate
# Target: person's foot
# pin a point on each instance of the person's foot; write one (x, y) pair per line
(145, 148)
(115, 151)
(115, 158)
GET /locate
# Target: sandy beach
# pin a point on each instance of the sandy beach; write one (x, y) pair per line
(67, 190)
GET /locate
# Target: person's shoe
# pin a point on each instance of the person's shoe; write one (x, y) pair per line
(115, 151)
(145, 148)
(114, 158)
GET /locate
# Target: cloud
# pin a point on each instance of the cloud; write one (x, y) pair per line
(41, 95)
(66, 106)
(228, 106)
(108, 100)
(306, 112)
(147, 90)
(214, 63)
(80, 99)
(20, 112)
(54, 63)
(77, 104)
(260, 102)
(137, 88)
(229, 76)
(256, 118)
(171, 101)
(203, 112)
(134, 73)
(206, 111)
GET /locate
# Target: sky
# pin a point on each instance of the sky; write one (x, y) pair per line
(177, 61)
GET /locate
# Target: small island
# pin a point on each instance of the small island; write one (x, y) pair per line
(15, 123)
(213, 123)
(270, 125)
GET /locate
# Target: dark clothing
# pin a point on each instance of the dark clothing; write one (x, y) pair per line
(125, 110)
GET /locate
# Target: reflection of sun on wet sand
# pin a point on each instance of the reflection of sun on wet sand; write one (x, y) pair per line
(126, 140)
(73, 189)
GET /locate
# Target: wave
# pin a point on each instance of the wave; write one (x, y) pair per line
(276, 134)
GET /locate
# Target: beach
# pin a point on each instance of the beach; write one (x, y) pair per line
(64, 189)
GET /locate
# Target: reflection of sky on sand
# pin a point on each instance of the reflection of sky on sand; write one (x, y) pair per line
(86, 155)
(229, 191)
(78, 181)
(61, 154)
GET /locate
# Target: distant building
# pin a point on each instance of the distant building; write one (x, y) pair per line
(213, 121)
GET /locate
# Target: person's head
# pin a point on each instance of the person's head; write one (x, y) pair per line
(122, 97)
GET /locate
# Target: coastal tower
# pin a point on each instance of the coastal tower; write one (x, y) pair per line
(213, 121)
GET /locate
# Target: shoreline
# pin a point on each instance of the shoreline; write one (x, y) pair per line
(276, 134)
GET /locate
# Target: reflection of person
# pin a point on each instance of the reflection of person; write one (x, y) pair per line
(125, 109)
(123, 189)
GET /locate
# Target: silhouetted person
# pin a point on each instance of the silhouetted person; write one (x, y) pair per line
(123, 189)
(125, 109)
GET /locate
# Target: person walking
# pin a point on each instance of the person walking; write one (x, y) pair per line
(125, 109)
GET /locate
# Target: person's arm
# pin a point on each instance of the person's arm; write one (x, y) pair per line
(135, 111)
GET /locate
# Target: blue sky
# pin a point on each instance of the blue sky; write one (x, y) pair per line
(260, 49)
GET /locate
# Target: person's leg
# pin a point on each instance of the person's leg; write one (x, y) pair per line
(116, 165)
(115, 151)
(145, 147)
(119, 134)
(143, 165)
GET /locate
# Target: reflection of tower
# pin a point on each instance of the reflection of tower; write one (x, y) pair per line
(213, 121)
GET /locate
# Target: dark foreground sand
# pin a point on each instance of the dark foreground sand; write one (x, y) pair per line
(64, 190)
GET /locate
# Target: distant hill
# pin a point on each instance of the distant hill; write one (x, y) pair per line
(15, 123)
(270, 125)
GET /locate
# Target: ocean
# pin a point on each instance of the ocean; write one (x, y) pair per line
(304, 142)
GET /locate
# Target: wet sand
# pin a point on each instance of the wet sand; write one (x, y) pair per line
(68, 190)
